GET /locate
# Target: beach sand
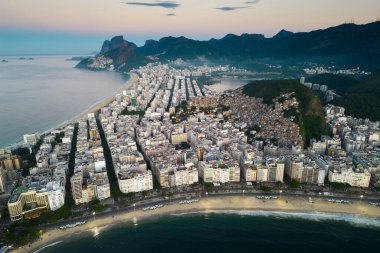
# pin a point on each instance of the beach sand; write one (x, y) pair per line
(105, 102)
(209, 204)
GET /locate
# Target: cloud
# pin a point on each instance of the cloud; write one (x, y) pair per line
(252, 2)
(228, 8)
(247, 4)
(163, 4)
(170, 15)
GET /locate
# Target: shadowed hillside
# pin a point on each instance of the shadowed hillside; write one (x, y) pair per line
(338, 83)
(362, 100)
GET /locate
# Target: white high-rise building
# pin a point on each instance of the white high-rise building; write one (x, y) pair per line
(262, 174)
(212, 173)
(103, 191)
(56, 194)
(360, 178)
(183, 176)
(135, 181)
(249, 172)
(3, 185)
(31, 139)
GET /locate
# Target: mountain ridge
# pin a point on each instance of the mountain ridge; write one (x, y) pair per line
(344, 44)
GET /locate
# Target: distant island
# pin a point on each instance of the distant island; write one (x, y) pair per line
(4, 61)
(26, 58)
(77, 58)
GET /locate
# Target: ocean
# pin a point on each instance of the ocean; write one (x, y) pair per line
(40, 94)
(230, 231)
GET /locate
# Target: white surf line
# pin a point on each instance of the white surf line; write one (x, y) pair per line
(353, 219)
(47, 246)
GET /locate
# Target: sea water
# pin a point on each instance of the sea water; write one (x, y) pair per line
(40, 94)
(231, 231)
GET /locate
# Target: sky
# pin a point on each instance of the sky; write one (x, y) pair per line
(80, 26)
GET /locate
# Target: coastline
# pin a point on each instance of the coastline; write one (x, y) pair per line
(217, 204)
(133, 78)
(92, 108)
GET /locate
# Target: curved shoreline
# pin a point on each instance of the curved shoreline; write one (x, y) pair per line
(211, 205)
(133, 78)
(92, 108)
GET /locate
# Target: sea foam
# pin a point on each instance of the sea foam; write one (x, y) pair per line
(47, 246)
(353, 219)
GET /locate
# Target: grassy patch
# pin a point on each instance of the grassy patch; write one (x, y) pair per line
(294, 183)
(96, 206)
(265, 188)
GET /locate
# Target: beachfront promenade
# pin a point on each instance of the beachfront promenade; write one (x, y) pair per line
(140, 203)
(286, 204)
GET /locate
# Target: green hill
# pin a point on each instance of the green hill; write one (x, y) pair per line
(310, 119)
(362, 100)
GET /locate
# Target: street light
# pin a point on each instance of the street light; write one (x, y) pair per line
(206, 194)
(243, 192)
(361, 197)
(93, 214)
(134, 206)
(280, 193)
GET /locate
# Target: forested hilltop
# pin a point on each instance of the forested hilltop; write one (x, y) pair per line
(359, 95)
(340, 84)
(362, 99)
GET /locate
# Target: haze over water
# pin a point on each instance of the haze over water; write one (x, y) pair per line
(40, 94)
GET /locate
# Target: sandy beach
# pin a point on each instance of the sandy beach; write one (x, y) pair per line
(211, 204)
(133, 78)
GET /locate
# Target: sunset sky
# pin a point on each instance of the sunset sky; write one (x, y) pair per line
(80, 26)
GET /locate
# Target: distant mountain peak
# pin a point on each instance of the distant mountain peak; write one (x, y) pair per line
(116, 42)
(150, 42)
(283, 34)
(230, 36)
(244, 35)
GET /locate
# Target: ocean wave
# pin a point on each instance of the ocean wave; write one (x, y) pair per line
(47, 246)
(353, 219)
